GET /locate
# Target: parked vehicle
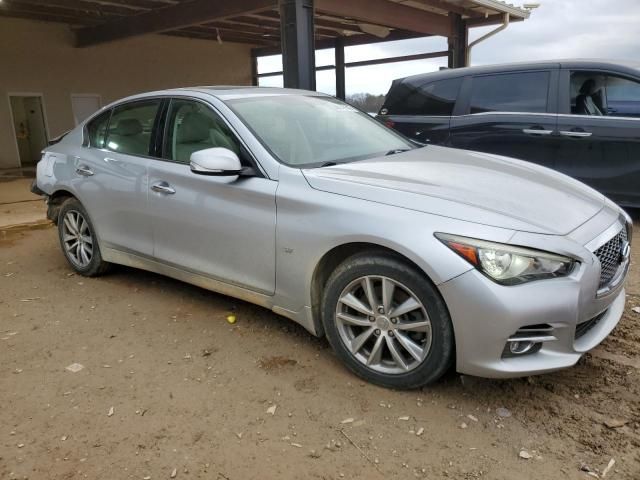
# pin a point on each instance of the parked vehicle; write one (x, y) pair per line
(581, 118)
(408, 259)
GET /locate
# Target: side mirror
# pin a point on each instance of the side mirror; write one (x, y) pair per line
(220, 162)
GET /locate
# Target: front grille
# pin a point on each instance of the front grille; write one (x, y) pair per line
(610, 257)
(584, 327)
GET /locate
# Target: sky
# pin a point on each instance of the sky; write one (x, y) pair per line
(608, 29)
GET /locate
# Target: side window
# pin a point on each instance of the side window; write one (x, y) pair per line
(587, 93)
(97, 130)
(432, 98)
(510, 92)
(192, 126)
(131, 127)
(623, 97)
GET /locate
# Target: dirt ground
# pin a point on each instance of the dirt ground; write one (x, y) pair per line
(169, 388)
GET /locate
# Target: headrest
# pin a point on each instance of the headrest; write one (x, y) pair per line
(128, 127)
(195, 128)
(588, 87)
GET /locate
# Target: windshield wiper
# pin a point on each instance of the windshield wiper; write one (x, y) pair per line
(328, 164)
(397, 150)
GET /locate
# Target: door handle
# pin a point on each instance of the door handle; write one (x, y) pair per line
(84, 171)
(536, 131)
(163, 187)
(567, 133)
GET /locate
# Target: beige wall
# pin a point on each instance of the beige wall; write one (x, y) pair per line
(38, 57)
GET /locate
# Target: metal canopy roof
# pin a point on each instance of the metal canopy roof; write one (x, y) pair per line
(257, 22)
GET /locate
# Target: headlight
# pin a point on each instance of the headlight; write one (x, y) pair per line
(507, 264)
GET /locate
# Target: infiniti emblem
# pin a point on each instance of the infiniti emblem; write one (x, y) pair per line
(625, 251)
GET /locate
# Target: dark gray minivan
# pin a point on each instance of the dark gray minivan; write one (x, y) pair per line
(577, 116)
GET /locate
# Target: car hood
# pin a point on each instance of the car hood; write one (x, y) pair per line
(471, 186)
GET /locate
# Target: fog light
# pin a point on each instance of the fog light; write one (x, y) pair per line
(519, 348)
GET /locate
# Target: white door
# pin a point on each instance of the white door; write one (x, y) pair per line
(83, 106)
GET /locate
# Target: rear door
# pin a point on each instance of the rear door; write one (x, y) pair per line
(421, 109)
(600, 145)
(222, 227)
(511, 114)
(112, 174)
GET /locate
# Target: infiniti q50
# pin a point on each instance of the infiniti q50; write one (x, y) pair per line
(409, 260)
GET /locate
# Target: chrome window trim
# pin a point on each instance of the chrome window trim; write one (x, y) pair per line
(569, 115)
(169, 97)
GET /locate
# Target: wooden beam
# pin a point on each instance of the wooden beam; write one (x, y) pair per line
(389, 14)
(168, 18)
(451, 8)
(490, 20)
(362, 39)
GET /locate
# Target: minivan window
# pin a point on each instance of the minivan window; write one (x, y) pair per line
(97, 130)
(511, 92)
(192, 126)
(601, 94)
(432, 98)
(131, 127)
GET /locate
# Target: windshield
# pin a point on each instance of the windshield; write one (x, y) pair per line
(307, 131)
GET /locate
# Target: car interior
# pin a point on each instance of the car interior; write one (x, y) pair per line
(590, 99)
(193, 127)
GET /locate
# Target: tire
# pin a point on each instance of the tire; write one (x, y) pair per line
(85, 258)
(385, 357)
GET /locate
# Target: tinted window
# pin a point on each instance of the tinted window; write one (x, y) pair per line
(97, 130)
(191, 127)
(432, 98)
(131, 126)
(512, 92)
(600, 94)
(623, 97)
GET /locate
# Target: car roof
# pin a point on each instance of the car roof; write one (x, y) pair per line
(622, 67)
(225, 92)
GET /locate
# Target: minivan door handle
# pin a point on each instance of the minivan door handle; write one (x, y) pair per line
(536, 131)
(576, 134)
(84, 171)
(163, 187)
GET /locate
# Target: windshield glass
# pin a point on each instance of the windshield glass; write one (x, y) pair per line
(307, 131)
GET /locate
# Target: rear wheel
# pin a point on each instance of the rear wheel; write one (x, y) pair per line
(387, 322)
(78, 240)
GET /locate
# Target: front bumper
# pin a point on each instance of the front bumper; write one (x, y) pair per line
(486, 315)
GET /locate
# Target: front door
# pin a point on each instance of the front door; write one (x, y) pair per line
(599, 133)
(222, 227)
(510, 114)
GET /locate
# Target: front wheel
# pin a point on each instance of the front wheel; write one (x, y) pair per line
(387, 322)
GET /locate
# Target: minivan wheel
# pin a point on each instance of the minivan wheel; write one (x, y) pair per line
(78, 239)
(387, 322)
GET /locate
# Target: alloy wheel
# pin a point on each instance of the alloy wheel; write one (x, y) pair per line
(77, 239)
(383, 324)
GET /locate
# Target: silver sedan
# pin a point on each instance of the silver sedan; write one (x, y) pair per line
(409, 259)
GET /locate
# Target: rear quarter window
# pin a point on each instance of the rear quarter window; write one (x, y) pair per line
(96, 132)
(429, 98)
(510, 92)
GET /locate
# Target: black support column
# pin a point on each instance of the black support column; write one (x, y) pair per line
(341, 90)
(457, 42)
(298, 49)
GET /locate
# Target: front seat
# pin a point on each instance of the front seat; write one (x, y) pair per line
(585, 105)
